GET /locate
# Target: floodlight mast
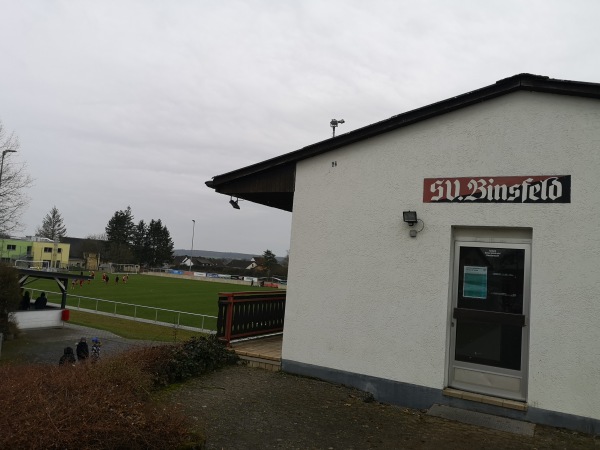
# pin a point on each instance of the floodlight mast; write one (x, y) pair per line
(4, 152)
(334, 123)
(192, 250)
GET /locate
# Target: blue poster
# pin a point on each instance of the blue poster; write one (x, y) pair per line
(475, 282)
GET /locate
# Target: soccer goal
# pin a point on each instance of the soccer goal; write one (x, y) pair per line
(125, 268)
(27, 264)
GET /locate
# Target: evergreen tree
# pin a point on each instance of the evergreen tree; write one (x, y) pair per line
(140, 236)
(269, 261)
(159, 244)
(120, 232)
(53, 226)
(147, 244)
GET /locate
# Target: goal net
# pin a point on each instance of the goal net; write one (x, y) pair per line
(27, 264)
(125, 268)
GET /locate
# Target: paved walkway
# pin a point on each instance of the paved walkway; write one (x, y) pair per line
(245, 408)
(46, 346)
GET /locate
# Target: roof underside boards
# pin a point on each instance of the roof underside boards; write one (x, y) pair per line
(273, 187)
(271, 182)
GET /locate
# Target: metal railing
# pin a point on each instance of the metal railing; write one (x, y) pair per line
(159, 316)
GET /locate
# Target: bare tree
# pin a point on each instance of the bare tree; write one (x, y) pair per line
(95, 243)
(15, 180)
(97, 237)
(53, 226)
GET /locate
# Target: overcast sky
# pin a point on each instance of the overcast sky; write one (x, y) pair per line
(138, 103)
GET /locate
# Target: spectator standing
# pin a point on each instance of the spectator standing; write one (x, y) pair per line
(82, 350)
(67, 358)
(96, 349)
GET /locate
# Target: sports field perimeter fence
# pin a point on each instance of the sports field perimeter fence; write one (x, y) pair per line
(141, 313)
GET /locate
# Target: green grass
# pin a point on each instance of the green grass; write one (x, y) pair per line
(174, 294)
(130, 329)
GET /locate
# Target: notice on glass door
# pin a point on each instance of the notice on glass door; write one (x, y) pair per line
(475, 282)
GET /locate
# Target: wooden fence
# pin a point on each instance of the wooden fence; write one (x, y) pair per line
(247, 314)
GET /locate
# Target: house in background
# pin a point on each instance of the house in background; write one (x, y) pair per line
(449, 255)
(191, 262)
(241, 264)
(201, 262)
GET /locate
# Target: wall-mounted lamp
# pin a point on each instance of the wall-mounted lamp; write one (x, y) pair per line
(234, 203)
(410, 217)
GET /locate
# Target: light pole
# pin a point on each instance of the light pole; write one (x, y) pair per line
(192, 250)
(4, 152)
(334, 123)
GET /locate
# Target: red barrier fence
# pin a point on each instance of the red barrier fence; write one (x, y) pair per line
(246, 314)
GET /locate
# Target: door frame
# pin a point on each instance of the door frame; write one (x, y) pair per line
(489, 237)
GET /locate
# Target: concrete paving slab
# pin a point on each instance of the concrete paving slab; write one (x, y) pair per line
(482, 420)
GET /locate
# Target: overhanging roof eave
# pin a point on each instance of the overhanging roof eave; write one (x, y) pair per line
(505, 86)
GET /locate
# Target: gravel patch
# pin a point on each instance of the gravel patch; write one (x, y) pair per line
(250, 408)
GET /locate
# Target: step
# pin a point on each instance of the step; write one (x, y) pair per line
(262, 363)
(482, 420)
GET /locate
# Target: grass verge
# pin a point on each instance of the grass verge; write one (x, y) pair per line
(130, 329)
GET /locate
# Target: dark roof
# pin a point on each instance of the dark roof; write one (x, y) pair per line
(271, 182)
(179, 259)
(239, 263)
(79, 245)
(75, 247)
(48, 275)
(202, 262)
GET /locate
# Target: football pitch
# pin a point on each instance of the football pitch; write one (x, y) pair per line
(142, 291)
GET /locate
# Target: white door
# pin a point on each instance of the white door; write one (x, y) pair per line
(489, 317)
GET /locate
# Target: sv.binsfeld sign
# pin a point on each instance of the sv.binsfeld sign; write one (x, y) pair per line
(523, 189)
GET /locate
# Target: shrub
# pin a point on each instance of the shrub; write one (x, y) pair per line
(178, 362)
(107, 405)
(9, 297)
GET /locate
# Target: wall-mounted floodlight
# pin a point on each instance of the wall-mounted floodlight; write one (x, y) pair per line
(334, 123)
(410, 217)
(234, 203)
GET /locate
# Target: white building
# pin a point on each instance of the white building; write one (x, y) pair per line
(491, 300)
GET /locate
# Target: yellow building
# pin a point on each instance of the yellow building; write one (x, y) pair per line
(50, 253)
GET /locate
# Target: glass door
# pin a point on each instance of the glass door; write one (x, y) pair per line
(490, 308)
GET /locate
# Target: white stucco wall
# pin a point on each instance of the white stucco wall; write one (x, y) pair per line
(365, 297)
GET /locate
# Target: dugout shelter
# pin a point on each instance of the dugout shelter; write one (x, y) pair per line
(50, 316)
